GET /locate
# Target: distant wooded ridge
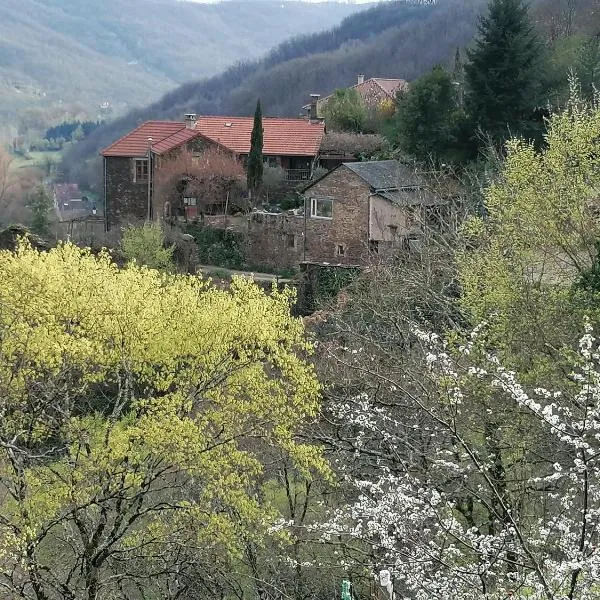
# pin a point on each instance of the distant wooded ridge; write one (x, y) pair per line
(122, 53)
(393, 39)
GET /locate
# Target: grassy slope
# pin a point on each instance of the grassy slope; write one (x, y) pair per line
(130, 51)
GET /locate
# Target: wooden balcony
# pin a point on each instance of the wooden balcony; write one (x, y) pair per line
(293, 175)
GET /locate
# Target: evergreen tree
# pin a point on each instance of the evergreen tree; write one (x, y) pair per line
(255, 158)
(428, 119)
(503, 72)
(40, 205)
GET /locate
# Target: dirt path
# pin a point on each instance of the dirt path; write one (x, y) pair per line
(264, 277)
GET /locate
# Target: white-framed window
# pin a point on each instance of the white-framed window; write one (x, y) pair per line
(321, 208)
(190, 201)
(340, 250)
(140, 170)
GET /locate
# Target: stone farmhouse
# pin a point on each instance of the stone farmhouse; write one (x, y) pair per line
(352, 213)
(373, 92)
(132, 162)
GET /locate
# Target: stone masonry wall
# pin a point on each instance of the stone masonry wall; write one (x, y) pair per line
(349, 226)
(275, 240)
(125, 200)
(285, 240)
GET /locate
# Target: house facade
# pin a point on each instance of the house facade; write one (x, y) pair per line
(132, 162)
(354, 212)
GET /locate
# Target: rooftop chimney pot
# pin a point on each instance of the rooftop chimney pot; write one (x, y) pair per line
(313, 113)
(190, 120)
(361, 79)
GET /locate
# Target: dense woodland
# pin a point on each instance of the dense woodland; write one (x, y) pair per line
(434, 424)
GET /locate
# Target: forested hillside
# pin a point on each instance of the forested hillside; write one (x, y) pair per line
(126, 52)
(396, 39)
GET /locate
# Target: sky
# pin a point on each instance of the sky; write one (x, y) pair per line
(341, 1)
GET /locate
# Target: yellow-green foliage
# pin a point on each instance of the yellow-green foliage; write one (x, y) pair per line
(130, 383)
(146, 245)
(539, 230)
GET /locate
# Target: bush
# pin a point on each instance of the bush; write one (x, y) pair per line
(220, 247)
(146, 246)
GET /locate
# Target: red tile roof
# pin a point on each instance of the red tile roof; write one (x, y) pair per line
(135, 143)
(65, 192)
(282, 137)
(390, 86)
(372, 90)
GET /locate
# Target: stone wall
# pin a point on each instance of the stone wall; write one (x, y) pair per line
(285, 240)
(342, 239)
(125, 200)
(275, 240)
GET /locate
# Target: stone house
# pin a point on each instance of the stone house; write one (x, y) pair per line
(132, 162)
(352, 213)
(373, 92)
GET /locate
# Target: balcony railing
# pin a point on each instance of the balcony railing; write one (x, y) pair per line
(297, 174)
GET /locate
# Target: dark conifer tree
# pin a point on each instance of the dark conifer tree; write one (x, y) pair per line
(503, 75)
(255, 158)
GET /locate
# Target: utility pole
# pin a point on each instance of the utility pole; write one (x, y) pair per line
(149, 215)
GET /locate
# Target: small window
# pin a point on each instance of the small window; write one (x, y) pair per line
(340, 250)
(140, 174)
(393, 230)
(321, 208)
(374, 246)
(190, 201)
(290, 241)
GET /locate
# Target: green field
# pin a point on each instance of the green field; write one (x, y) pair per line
(35, 159)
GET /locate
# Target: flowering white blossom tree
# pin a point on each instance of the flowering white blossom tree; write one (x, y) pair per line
(458, 509)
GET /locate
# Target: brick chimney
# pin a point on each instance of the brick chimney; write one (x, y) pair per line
(190, 120)
(360, 79)
(314, 100)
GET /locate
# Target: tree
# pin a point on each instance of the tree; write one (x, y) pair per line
(470, 511)
(461, 392)
(146, 246)
(255, 158)
(8, 180)
(213, 178)
(137, 410)
(587, 67)
(345, 111)
(502, 74)
(538, 237)
(428, 119)
(40, 204)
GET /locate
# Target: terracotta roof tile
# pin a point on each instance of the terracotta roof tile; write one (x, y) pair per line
(282, 137)
(291, 137)
(135, 143)
(67, 191)
(390, 86)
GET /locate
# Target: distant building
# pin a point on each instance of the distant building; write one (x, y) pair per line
(130, 163)
(355, 211)
(67, 197)
(373, 92)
